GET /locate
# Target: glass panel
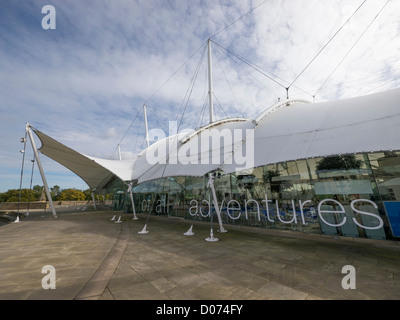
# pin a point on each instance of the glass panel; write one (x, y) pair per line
(346, 184)
(386, 169)
(355, 195)
(195, 193)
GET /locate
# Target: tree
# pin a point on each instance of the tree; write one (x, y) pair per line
(37, 192)
(72, 195)
(55, 193)
(88, 194)
(13, 195)
(267, 178)
(346, 162)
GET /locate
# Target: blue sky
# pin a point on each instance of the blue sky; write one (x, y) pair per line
(84, 82)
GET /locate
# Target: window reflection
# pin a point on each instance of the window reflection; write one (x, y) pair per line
(341, 195)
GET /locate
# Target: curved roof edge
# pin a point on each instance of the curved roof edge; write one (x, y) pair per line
(210, 125)
(277, 106)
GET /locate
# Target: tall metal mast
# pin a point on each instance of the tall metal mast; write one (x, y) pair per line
(210, 92)
(145, 125)
(119, 152)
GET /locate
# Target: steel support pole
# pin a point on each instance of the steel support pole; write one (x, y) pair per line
(215, 202)
(119, 153)
(145, 126)
(94, 201)
(210, 89)
(39, 163)
(133, 203)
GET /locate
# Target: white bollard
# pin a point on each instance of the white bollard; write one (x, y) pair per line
(119, 220)
(211, 237)
(222, 230)
(189, 232)
(144, 231)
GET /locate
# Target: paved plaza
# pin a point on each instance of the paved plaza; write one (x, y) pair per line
(95, 258)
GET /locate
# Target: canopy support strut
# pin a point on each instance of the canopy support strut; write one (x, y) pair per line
(215, 202)
(94, 201)
(133, 203)
(39, 163)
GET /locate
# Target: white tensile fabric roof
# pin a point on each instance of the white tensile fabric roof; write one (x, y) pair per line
(283, 132)
(94, 174)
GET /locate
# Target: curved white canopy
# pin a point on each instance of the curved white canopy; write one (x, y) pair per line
(97, 173)
(287, 131)
(299, 131)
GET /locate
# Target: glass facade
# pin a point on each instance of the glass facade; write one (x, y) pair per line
(356, 195)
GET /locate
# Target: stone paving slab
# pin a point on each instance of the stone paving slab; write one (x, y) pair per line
(95, 258)
(75, 244)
